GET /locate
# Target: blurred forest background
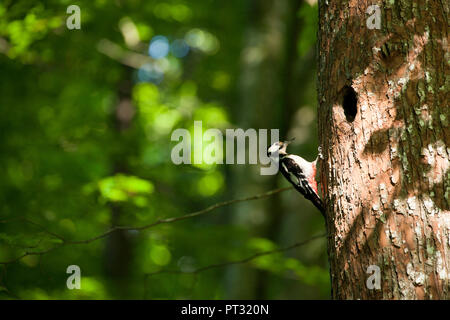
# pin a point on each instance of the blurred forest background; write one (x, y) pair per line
(85, 126)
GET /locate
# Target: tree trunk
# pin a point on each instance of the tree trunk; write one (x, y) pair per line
(119, 247)
(384, 131)
(265, 56)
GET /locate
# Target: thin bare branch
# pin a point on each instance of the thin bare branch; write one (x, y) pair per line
(187, 216)
(126, 57)
(139, 228)
(241, 261)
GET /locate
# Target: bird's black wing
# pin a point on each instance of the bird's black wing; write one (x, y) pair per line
(293, 173)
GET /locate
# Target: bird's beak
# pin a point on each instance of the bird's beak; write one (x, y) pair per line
(289, 141)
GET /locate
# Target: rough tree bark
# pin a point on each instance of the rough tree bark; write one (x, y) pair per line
(384, 131)
(267, 54)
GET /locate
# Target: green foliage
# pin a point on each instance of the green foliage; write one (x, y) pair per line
(307, 38)
(125, 188)
(85, 144)
(278, 264)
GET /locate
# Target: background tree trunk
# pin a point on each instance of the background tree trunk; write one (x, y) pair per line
(260, 107)
(383, 126)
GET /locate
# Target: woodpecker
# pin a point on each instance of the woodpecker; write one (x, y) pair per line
(299, 172)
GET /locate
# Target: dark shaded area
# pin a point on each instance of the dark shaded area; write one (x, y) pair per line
(349, 103)
(378, 142)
